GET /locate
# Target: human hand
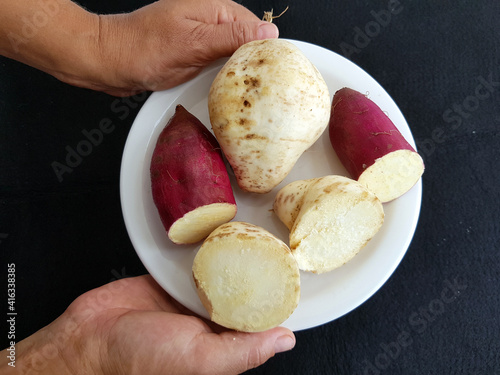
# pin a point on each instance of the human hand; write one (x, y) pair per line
(153, 48)
(170, 41)
(131, 326)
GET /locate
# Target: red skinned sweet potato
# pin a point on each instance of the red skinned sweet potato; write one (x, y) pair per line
(189, 180)
(370, 147)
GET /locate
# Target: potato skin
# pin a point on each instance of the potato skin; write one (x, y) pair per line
(288, 201)
(267, 105)
(360, 132)
(370, 146)
(187, 170)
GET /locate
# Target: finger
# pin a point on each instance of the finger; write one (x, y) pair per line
(223, 39)
(216, 12)
(235, 352)
(237, 12)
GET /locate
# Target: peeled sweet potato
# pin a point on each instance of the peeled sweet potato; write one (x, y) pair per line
(189, 180)
(370, 146)
(246, 278)
(330, 220)
(267, 105)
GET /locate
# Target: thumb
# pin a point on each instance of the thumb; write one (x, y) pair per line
(236, 352)
(225, 38)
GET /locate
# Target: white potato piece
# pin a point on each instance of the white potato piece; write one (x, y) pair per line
(330, 220)
(247, 279)
(267, 105)
(288, 201)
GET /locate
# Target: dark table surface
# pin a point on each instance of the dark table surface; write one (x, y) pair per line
(439, 61)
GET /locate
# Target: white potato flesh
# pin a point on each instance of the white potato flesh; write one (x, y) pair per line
(337, 218)
(246, 278)
(197, 224)
(393, 174)
(267, 105)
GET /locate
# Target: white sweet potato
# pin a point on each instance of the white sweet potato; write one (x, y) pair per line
(330, 219)
(289, 199)
(370, 146)
(267, 105)
(246, 278)
(189, 180)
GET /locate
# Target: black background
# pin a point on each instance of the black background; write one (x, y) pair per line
(432, 56)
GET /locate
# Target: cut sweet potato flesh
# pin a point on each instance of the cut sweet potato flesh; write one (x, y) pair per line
(195, 225)
(247, 279)
(393, 175)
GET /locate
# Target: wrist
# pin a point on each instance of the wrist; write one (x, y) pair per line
(59, 348)
(36, 354)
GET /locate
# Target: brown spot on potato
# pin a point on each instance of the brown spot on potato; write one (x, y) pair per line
(254, 136)
(252, 81)
(258, 62)
(196, 283)
(221, 234)
(243, 236)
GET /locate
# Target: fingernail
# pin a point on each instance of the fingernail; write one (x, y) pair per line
(283, 344)
(267, 30)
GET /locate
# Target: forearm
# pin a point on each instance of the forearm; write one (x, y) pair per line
(50, 35)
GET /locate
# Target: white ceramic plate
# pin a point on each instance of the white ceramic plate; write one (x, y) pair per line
(324, 297)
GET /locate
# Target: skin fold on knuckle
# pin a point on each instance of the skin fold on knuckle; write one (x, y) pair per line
(241, 34)
(200, 44)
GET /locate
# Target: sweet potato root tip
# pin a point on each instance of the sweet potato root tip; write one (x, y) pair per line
(268, 15)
